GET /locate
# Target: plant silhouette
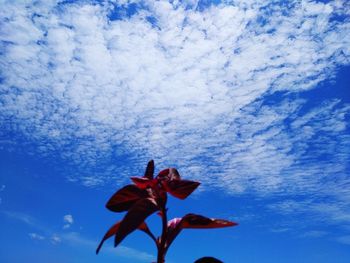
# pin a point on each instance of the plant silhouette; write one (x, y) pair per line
(148, 195)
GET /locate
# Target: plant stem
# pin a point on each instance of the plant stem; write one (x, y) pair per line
(161, 247)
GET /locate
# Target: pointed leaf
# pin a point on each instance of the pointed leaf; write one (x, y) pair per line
(135, 216)
(193, 221)
(149, 170)
(108, 234)
(111, 232)
(125, 198)
(180, 188)
(198, 221)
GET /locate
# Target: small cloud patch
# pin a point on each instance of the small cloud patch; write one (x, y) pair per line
(55, 239)
(36, 236)
(68, 220)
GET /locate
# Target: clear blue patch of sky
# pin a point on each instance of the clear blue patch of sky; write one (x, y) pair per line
(204, 4)
(336, 88)
(125, 11)
(128, 10)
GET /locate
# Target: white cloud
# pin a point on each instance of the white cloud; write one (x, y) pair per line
(68, 220)
(192, 91)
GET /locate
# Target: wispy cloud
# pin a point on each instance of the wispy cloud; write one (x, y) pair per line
(314, 234)
(54, 238)
(2, 188)
(36, 236)
(216, 90)
(25, 218)
(344, 240)
(75, 239)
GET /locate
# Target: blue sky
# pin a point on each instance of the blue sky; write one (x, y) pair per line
(251, 98)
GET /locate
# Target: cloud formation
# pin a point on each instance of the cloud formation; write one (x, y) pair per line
(54, 238)
(36, 236)
(218, 89)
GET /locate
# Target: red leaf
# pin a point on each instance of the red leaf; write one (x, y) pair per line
(174, 228)
(125, 198)
(149, 170)
(180, 188)
(142, 182)
(134, 218)
(198, 221)
(193, 221)
(163, 173)
(108, 234)
(113, 230)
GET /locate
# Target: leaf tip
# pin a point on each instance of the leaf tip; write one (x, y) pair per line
(99, 247)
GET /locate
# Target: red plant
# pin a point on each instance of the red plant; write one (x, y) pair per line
(148, 195)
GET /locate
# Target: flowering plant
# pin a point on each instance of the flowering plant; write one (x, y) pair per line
(148, 195)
